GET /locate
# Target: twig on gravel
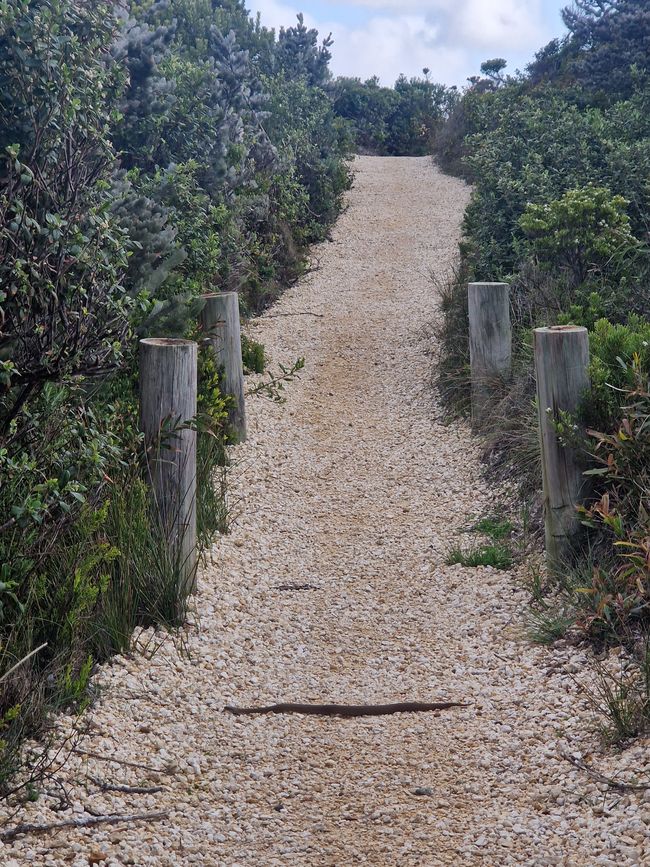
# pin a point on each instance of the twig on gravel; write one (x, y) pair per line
(298, 313)
(27, 828)
(346, 710)
(128, 790)
(620, 785)
(62, 796)
(126, 764)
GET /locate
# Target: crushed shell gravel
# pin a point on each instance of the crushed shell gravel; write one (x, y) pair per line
(354, 487)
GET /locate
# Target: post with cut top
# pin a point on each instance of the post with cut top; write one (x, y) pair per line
(220, 322)
(490, 344)
(562, 372)
(168, 374)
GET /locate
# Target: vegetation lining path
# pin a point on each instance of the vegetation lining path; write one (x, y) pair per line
(354, 490)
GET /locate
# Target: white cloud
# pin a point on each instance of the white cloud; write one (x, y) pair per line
(275, 15)
(500, 24)
(399, 5)
(389, 46)
(450, 37)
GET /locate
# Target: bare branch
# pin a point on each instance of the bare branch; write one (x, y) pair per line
(27, 828)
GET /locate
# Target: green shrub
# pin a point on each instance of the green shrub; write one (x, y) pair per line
(398, 121)
(253, 356)
(212, 436)
(581, 231)
(623, 466)
(62, 254)
(617, 353)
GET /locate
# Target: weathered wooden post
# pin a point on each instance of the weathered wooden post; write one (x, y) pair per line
(562, 370)
(220, 321)
(490, 343)
(168, 372)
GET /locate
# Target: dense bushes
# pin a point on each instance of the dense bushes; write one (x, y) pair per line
(62, 255)
(559, 162)
(398, 121)
(148, 153)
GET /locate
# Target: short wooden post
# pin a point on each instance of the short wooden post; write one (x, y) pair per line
(490, 343)
(562, 371)
(220, 321)
(168, 371)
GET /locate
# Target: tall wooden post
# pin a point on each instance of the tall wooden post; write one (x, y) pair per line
(562, 370)
(490, 343)
(168, 371)
(220, 321)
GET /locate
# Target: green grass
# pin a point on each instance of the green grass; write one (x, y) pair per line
(622, 699)
(547, 626)
(495, 553)
(494, 527)
(497, 556)
(211, 507)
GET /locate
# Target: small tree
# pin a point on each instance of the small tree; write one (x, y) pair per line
(493, 69)
(607, 46)
(299, 54)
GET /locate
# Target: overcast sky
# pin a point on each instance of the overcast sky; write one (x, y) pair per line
(451, 37)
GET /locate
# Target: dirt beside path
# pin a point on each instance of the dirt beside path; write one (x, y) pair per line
(353, 488)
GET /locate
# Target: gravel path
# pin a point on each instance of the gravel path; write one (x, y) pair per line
(353, 488)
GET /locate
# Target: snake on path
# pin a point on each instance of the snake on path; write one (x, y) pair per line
(347, 710)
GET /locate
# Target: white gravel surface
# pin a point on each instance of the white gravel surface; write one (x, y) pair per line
(352, 486)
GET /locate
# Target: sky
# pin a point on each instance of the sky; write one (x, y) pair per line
(450, 37)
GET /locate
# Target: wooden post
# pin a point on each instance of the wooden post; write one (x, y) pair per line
(168, 370)
(220, 321)
(490, 343)
(562, 371)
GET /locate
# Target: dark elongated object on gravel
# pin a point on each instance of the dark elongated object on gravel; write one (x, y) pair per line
(347, 710)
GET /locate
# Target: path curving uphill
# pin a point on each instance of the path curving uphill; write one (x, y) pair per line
(351, 491)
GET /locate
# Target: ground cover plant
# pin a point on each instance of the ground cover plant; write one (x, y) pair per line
(559, 157)
(497, 556)
(149, 152)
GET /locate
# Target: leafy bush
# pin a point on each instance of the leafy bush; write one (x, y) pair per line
(62, 256)
(450, 140)
(398, 121)
(580, 232)
(607, 44)
(367, 108)
(253, 356)
(617, 353)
